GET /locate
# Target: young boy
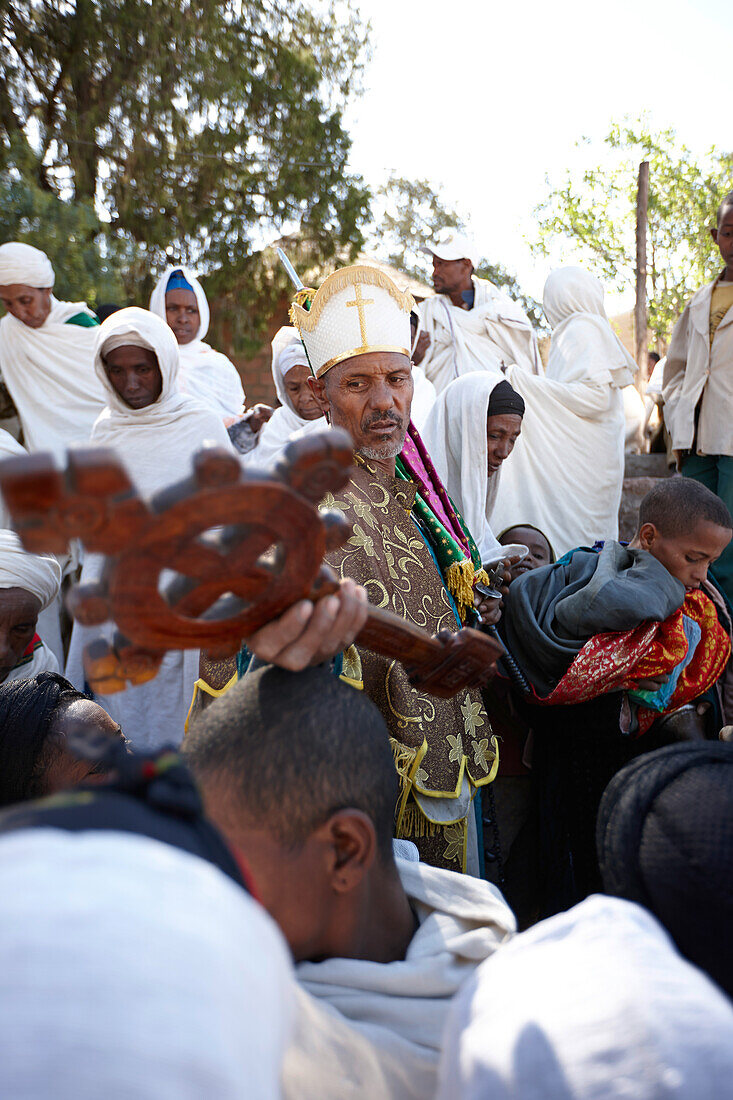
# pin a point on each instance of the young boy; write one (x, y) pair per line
(613, 643)
(698, 385)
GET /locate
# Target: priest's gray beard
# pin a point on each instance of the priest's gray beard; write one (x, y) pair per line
(384, 450)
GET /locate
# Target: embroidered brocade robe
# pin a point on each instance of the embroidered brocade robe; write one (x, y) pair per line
(443, 748)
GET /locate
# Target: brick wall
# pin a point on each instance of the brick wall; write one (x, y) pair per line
(256, 372)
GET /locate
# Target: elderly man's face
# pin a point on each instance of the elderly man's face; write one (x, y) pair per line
(19, 611)
(450, 276)
(26, 303)
(370, 396)
(135, 375)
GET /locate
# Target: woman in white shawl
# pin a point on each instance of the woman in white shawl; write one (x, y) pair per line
(29, 583)
(206, 374)
(156, 442)
(298, 410)
(46, 353)
(456, 435)
(567, 469)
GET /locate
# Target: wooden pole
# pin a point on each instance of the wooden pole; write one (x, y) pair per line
(640, 313)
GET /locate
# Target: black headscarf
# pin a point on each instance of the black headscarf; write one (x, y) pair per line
(665, 840)
(151, 796)
(505, 400)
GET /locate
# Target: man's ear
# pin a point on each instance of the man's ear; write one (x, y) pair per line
(318, 389)
(352, 842)
(647, 535)
(714, 234)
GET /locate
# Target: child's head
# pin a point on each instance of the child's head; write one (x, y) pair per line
(723, 233)
(685, 527)
(538, 545)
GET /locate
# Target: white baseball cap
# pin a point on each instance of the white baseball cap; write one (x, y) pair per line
(453, 246)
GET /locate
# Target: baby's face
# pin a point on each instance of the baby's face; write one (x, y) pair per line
(688, 557)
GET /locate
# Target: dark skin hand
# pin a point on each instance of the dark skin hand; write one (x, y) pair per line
(258, 415)
(26, 303)
(423, 343)
(489, 608)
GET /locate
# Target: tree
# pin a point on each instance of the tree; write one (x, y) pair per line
(69, 232)
(592, 216)
(408, 213)
(192, 126)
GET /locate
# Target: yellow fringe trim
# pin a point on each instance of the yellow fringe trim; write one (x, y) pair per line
(461, 578)
(305, 320)
(416, 824)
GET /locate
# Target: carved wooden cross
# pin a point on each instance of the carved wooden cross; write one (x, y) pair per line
(241, 547)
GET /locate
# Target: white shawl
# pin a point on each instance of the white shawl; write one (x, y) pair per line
(495, 333)
(455, 436)
(592, 1004)
(41, 576)
(156, 445)
(9, 448)
(397, 1010)
(274, 436)
(133, 969)
(50, 376)
(205, 374)
(566, 472)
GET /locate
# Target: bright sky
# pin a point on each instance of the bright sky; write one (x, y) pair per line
(486, 99)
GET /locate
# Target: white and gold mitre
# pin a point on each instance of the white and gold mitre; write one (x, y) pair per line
(357, 309)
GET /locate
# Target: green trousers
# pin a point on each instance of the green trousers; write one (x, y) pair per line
(715, 472)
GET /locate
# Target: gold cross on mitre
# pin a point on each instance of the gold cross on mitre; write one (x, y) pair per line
(360, 302)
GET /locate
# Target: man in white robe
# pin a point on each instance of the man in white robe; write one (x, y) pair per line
(46, 353)
(297, 772)
(471, 324)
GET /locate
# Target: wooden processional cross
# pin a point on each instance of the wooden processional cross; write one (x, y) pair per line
(209, 560)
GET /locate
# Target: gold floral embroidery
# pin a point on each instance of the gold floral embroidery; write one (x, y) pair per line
(456, 747)
(362, 541)
(455, 837)
(471, 712)
(482, 753)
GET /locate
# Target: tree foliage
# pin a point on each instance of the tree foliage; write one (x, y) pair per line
(409, 213)
(193, 127)
(592, 216)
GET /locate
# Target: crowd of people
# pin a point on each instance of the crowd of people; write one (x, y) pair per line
(293, 873)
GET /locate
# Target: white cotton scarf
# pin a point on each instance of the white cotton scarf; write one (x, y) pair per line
(205, 373)
(38, 574)
(495, 333)
(566, 472)
(397, 1011)
(24, 265)
(455, 437)
(592, 1004)
(50, 376)
(134, 969)
(156, 446)
(274, 436)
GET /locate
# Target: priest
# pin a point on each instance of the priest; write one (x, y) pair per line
(46, 353)
(409, 548)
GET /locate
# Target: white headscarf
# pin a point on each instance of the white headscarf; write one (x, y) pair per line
(205, 373)
(39, 575)
(133, 969)
(583, 343)
(25, 265)
(287, 352)
(455, 437)
(593, 1004)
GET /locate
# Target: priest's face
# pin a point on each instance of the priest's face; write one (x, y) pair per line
(18, 614)
(135, 375)
(182, 314)
(26, 303)
(370, 396)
